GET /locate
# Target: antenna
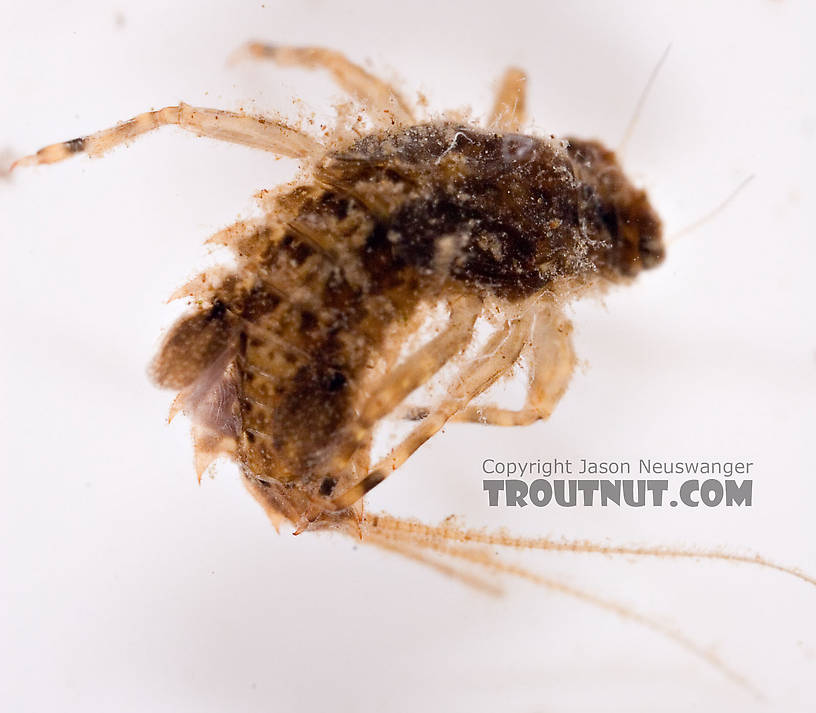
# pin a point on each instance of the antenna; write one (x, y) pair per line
(641, 101)
(711, 214)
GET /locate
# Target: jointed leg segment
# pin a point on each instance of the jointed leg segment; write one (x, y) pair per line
(499, 355)
(415, 371)
(552, 364)
(385, 102)
(235, 127)
(509, 108)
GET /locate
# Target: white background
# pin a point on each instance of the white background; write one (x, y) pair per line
(125, 585)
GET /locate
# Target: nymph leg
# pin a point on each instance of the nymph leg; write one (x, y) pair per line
(253, 131)
(509, 108)
(386, 104)
(412, 373)
(494, 360)
(552, 364)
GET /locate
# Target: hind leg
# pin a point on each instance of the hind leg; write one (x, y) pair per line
(253, 131)
(385, 103)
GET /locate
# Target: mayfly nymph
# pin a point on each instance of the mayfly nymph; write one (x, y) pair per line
(290, 360)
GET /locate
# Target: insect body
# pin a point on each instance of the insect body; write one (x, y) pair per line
(290, 360)
(395, 221)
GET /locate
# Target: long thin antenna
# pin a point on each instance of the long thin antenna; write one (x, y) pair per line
(641, 101)
(711, 214)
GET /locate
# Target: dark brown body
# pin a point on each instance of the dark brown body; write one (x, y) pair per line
(396, 220)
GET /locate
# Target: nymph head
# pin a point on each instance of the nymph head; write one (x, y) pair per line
(622, 212)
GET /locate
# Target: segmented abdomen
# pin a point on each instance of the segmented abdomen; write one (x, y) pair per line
(324, 293)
